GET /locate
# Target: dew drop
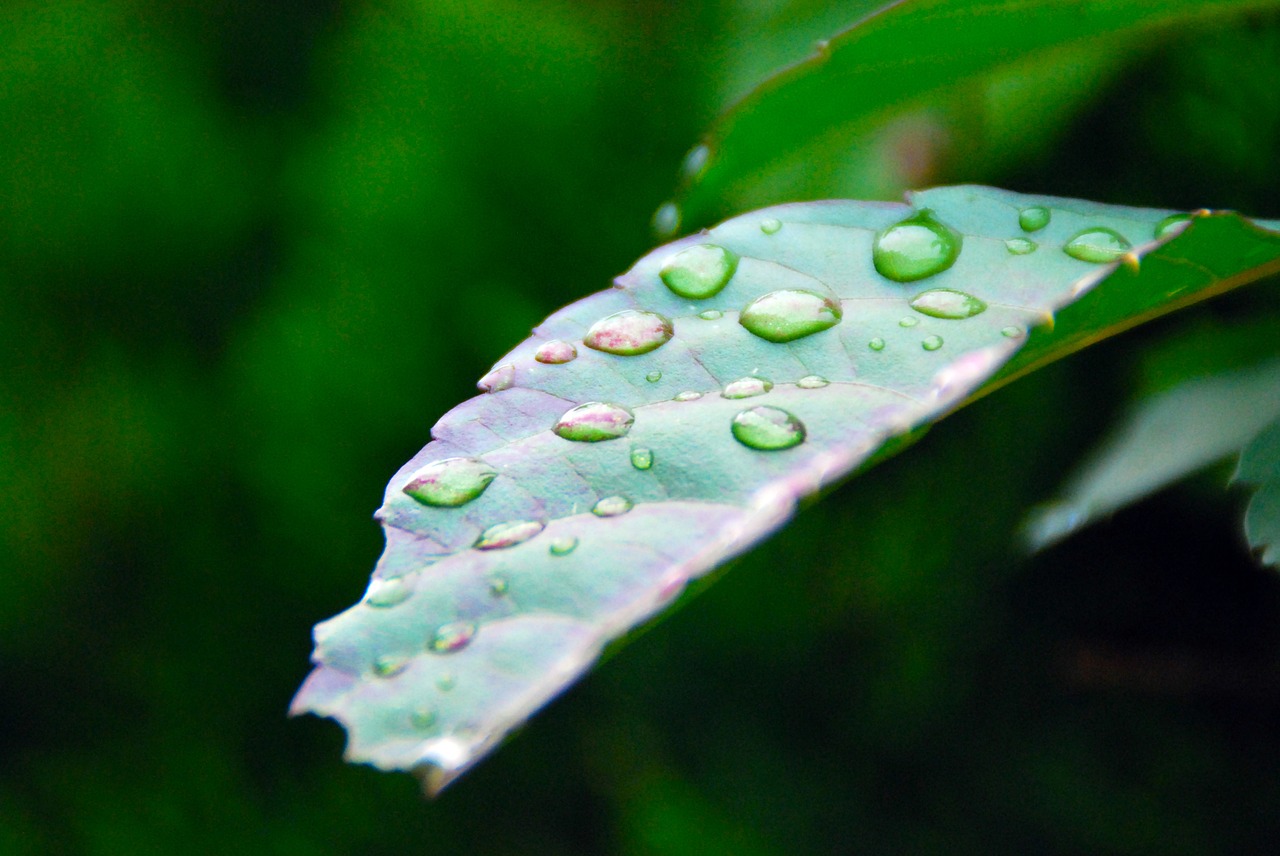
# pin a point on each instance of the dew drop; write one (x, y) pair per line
(446, 682)
(1097, 244)
(453, 637)
(699, 272)
(389, 665)
(563, 546)
(641, 459)
(767, 429)
(666, 220)
(695, 162)
(747, 387)
(594, 421)
(450, 482)
(497, 380)
(770, 225)
(790, 314)
(498, 586)
(629, 333)
(422, 718)
(931, 343)
(1020, 246)
(876, 344)
(509, 534)
(555, 352)
(386, 593)
(813, 381)
(611, 506)
(947, 303)
(1034, 218)
(915, 248)
(710, 314)
(908, 321)
(653, 377)
(1172, 224)
(688, 395)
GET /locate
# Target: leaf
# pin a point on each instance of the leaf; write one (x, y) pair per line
(1166, 438)
(1260, 465)
(589, 487)
(864, 114)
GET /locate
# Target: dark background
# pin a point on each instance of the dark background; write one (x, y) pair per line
(250, 252)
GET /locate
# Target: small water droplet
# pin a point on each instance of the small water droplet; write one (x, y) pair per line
(509, 534)
(747, 387)
(389, 665)
(653, 377)
(876, 344)
(1020, 246)
(695, 162)
(1011, 332)
(564, 545)
(931, 343)
(947, 303)
(699, 272)
(790, 314)
(1172, 224)
(446, 681)
(813, 381)
(688, 395)
(641, 459)
(629, 333)
(611, 506)
(422, 718)
(770, 225)
(497, 380)
(1034, 218)
(767, 429)
(908, 321)
(450, 482)
(555, 352)
(594, 421)
(1097, 244)
(498, 586)
(710, 314)
(386, 593)
(666, 220)
(917, 247)
(453, 637)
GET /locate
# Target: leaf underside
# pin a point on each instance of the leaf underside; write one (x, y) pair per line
(1260, 466)
(454, 645)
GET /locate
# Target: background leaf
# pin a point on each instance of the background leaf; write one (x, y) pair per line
(1260, 466)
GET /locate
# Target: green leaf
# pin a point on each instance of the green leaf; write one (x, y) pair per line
(864, 115)
(639, 439)
(1260, 465)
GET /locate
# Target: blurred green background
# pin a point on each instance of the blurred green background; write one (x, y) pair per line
(250, 252)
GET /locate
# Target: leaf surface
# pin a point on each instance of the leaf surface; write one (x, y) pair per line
(589, 487)
(1260, 466)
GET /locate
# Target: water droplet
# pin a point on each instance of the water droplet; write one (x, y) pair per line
(666, 220)
(555, 352)
(641, 459)
(710, 314)
(629, 333)
(790, 314)
(1020, 246)
(450, 482)
(386, 593)
(931, 343)
(611, 506)
(915, 248)
(1097, 244)
(563, 546)
(770, 225)
(699, 272)
(1034, 219)
(497, 380)
(498, 586)
(389, 665)
(453, 637)
(747, 387)
(876, 344)
(594, 421)
(422, 718)
(1172, 224)
(446, 681)
(947, 303)
(908, 321)
(688, 395)
(813, 381)
(508, 534)
(767, 429)
(695, 162)
(1011, 332)
(653, 377)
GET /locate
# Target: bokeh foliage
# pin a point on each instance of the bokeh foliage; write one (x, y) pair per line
(249, 253)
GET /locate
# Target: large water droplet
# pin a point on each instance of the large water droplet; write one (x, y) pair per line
(710, 315)
(931, 343)
(767, 429)
(389, 665)
(876, 344)
(1171, 225)
(915, 248)
(666, 220)
(509, 534)
(1020, 246)
(1034, 218)
(813, 381)
(555, 352)
(790, 314)
(386, 593)
(641, 459)
(947, 303)
(453, 637)
(497, 380)
(747, 387)
(594, 421)
(770, 225)
(450, 482)
(629, 333)
(1097, 244)
(699, 272)
(564, 545)
(611, 506)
